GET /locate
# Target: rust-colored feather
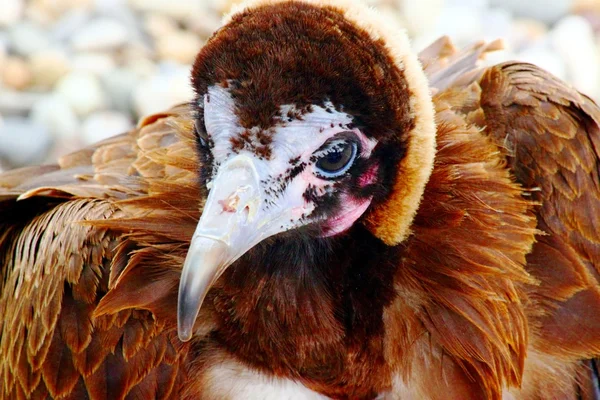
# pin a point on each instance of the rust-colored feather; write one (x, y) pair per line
(60, 259)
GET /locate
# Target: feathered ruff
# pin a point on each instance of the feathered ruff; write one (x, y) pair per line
(460, 313)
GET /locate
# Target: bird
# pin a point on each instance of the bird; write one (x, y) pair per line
(332, 216)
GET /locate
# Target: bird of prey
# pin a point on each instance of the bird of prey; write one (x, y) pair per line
(332, 216)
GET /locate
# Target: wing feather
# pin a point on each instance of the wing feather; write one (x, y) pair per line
(68, 258)
(550, 136)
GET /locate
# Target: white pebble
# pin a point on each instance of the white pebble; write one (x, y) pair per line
(544, 58)
(11, 12)
(108, 6)
(180, 9)
(574, 41)
(527, 32)
(478, 4)
(419, 17)
(462, 24)
(18, 102)
(496, 23)
(104, 124)
(57, 115)
(55, 8)
(163, 91)
(100, 34)
(142, 67)
(158, 25)
(22, 141)
(3, 55)
(179, 46)
(82, 91)
(548, 11)
(27, 38)
(69, 23)
(120, 84)
(96, 63)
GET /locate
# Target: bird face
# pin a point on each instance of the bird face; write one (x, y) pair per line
(302, 120)
(314, 171)
(309, 174)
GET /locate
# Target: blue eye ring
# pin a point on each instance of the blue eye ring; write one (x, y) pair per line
(335, 158)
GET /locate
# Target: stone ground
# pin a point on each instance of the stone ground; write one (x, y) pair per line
(73, 72)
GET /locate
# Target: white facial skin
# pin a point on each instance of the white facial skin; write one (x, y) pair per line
(252, 197)
(296, 139)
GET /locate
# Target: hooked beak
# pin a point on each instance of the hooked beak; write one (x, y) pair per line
(232, 222)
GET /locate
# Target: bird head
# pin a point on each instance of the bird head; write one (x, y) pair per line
(309, 117)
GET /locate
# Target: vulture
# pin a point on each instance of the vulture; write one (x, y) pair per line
(332, 216)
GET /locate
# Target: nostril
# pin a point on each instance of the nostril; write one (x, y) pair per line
(230, 204)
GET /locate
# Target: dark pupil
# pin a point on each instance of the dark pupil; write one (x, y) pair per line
(336, 159)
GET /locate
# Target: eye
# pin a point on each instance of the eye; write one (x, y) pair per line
(201, 132)
(335, 158)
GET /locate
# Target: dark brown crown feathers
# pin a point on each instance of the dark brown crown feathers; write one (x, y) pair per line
(272, 53)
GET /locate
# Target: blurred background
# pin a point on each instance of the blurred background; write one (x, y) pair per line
(73, 72)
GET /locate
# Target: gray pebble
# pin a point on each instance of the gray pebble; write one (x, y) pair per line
(22, 141)
(27, 38)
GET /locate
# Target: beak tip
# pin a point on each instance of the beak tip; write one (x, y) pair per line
(186, 316)
(184, 334)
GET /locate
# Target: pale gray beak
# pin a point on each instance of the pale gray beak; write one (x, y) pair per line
(233, 221)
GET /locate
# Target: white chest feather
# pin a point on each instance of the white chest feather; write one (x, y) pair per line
(230, 380)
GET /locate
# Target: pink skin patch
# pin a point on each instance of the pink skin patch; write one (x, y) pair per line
(368, 177)
(352, 210)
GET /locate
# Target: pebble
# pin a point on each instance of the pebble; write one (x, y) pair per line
(27, 38)
(205, 26)
(170, 87)
(496, 23)
(11, 12)
(544, 57)
(100, 34)
(3, 56)
(477, 4)
(14, 102)
(419, 17)
(179, 46)
(462, 24)
(574, 41)
(55, 8)
(120, 84)
(526, 31)
(96, 63)
(104, 124)
(16, 73)
(48, 66)
(22, 141)
(158, 25)
(82, 91)
(542, 10)
(143, 67)
(180, 9)
(57, 115)
(71, 22)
